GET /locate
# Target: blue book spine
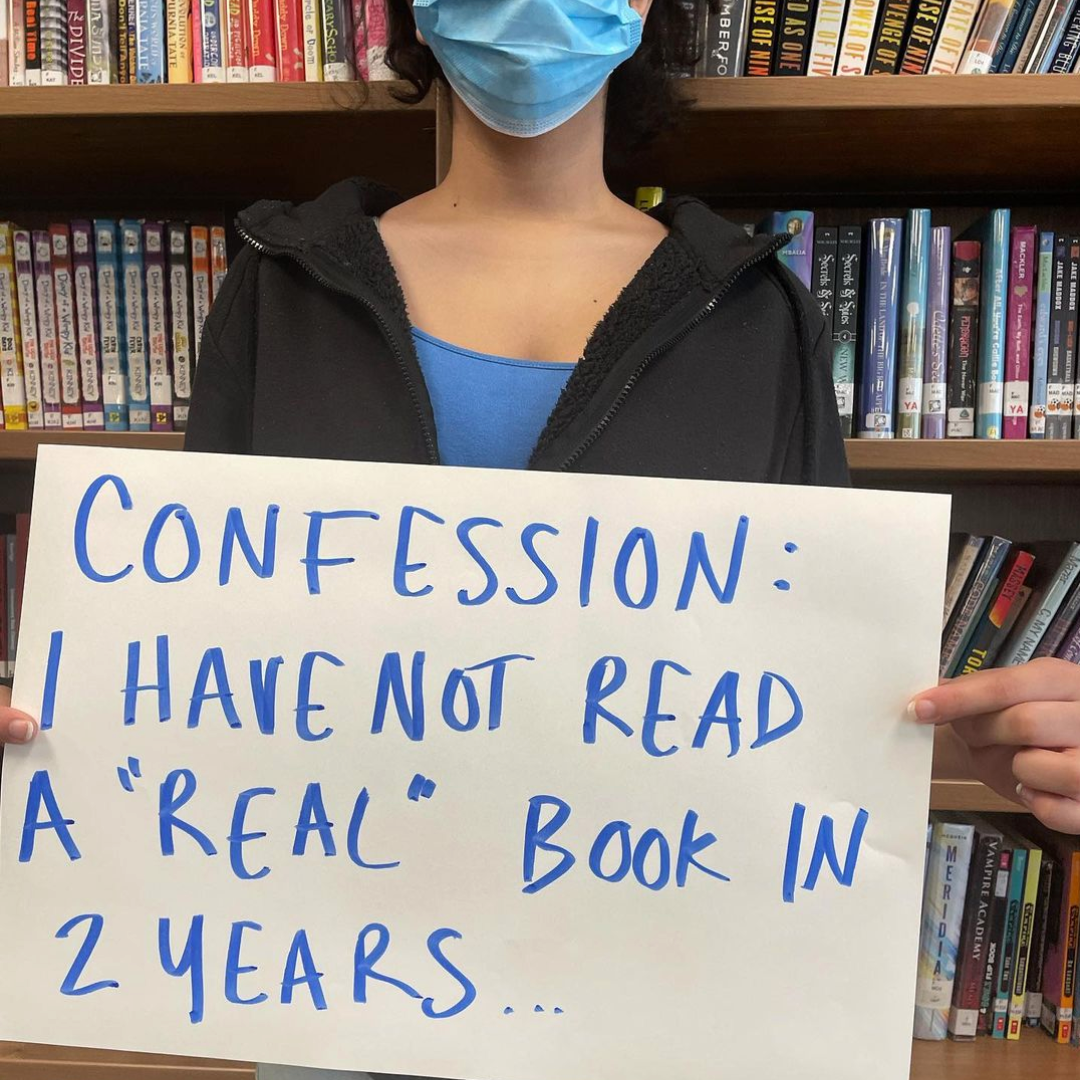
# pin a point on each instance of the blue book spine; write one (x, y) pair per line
(110, 298)
(1003, 989)
(798, 255)
(995, 294)
(913, 297)
(1043, 303)
(1019, 34)
(131, 268)
(149, 41)
(885, 239)
(1007, 32)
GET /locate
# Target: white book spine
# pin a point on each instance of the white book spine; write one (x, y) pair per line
(24, 285)
(953, 37)
(858, 37)
(825, 43)
(66, 336)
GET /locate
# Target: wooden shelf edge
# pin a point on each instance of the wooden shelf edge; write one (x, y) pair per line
(22, 446)
(970, 795)
(987, 459)
(29, 1061)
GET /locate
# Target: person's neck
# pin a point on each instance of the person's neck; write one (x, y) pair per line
(556, 175)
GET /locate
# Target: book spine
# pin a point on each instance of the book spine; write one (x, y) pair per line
(262, 47)
(16, 44)
(46, 306)
(1072, 299)
(209, 47)
(1019, 35)
(24, 286)
(999, 910)
(994, 299)
(32, 32)
(123, 41)
(1027, 47)
(76, 42)
(1065, 57)
(1033, 998)
(219, 261)
(973, 657)
(66, 335)
(936, 346)
(53, 43)
(1049, 38)
(824, 280)
(311, 28)
(11, 585)
(237, 59)
(725, 39)
(959, 574)
(290, 44)
(1043, 305)
(922, 32)
(12, 386)
(1060, 625)
(1023, 946)
(110, 323)
(1023, 647)
(1060, 968)
(793, 45)
(178, 41)
(964, 338)
(885, 56)
(858, 37)
(943, 906)
(100, 54)
(979, 56)
(846, 322)
(761, 40)
(1005, 35)
(200, 282)
(884, 249)
(913, 299)
(1069, 647)
(971, 971)
(1003, 992)
(180, 322)
(134, 284)
(1018, 333)
(93, 415)
(338, 57)
(797, 255)
(1059, 314)
(149, 41)
(377, 37)
(974, 601)
(157, 328)
(825, 42)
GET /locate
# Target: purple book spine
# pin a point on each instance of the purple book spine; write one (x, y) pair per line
(157, 327)
(936, 352)
(82, 261)
(1069, 649)
(1022, 271)
(47, 341)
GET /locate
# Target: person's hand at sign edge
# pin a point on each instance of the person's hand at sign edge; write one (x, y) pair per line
(15, 726)
(1018, 730)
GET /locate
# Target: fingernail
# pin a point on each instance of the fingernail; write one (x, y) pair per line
(20, 731)
(1023, 794)
(922, 709)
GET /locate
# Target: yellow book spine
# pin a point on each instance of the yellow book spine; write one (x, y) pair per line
(178, 40)
(11, 366)
(647, 197)
(1023, 953)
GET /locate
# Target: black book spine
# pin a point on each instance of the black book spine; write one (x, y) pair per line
(793, 49)
(963, 339)
(725, 39)
(32, 40)
(1056, 426)
(123, 49)
(846, 323)
(999, 913)
(889, 43)
(761, 43)
(694, 12)
(922, 33)
(971, 956)
(1033, 997)
(1073, 301)
(824, 279)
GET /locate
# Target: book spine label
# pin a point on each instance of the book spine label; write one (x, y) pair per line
(262, 41)
(725, 35)
(858, 37)
(793, 46)
(24, 285)
(879, 328)
(1043, 305)
(200, 282)
(100, 60)
(76, 42)
(110, 323)
(846, 323)
(911, 357)
(953, 37)
(338, 56)
(12, 386)
(131, 267)
(1018, 333)
(992, 344)
(32, 31)
(178, 40)
(761, 41)
(964, 1014)
(180, 322)
(210, 47)
(46, 306)
(237, 59)
(157, 329)
(885, 57)
(66, 335)
(86, 324)
(825, 43)
(149, 41)
(925, 20)
(1058, 394)
(312, 31)
(936, 347)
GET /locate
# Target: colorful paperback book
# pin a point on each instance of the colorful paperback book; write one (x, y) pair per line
(53, 42)
(921, 34)
(989, 27)
(1070, 365)
(1029, 898)
(200, 282)
(178, 41)
(999, 912)
(67, 336)
(50, 350)
(237, 59)
(82, 261)
(888, 45)
(1020, 30)
(913, 298)
(798, 254)
(975, 600)
(846, 322)
(262, 43)
(1034, 997)
(209, 57)
(858, 37)
(825, 42)
(939, 940)
(12, 388)
(377, 36)
(290, 40)
(1059, 968)
(885, 237)
(993, 232)
(1011, 941)
(338, 55)
(28, 327)
(311, 27)
(936, 346)
(157, 328)
(761, 38)
(134, 284)
(1060, 568)
(16, 44)
(32, 37)
(180, 323)
(1043, 305)
(76, 42)
(100, 47)
(111, 326)
(975, 654)
(964, 338)
(1022, 282)
(125, 25)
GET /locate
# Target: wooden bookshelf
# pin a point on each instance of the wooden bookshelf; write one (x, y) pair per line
(969, 795)
(1034, 1056)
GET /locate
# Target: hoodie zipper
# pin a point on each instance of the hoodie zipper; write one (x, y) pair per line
(414, 397)
(765, 253)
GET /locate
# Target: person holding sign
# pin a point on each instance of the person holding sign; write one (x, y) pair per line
(520, 315)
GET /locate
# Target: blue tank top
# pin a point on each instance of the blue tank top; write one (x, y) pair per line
(489, 410)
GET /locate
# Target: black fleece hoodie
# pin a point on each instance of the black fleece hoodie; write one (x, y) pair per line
(713, 363)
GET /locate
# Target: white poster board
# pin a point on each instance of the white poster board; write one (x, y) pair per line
(538, 876)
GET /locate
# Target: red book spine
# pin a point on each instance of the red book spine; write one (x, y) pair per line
(1022, 274)
(237, 62)
(360, 38)
(196, 41)
(262, 47)
(76, 40)
(290, 41)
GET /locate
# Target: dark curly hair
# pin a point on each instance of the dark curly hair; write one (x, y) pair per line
(643, 99)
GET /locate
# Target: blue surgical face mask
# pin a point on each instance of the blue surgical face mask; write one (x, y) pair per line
(527, 66)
